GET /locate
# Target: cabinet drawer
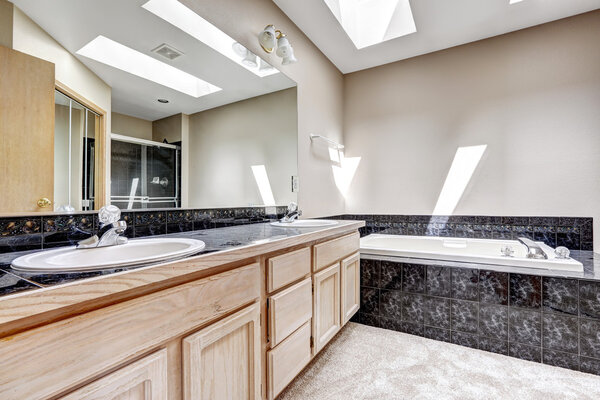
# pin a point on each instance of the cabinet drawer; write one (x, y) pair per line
(285, 361)
(332, 251)
(287, 268)
(289, 309)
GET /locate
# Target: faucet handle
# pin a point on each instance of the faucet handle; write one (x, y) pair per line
(292, 207)
(109, 215)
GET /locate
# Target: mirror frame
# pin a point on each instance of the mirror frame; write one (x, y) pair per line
(101, 159)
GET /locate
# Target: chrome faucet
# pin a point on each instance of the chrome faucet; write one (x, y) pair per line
(292, 213)
(111, 229)
(533, 249)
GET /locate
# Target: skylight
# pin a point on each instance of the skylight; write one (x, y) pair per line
(194, 25)
(515, 1)
(369, 22)
(118, 56)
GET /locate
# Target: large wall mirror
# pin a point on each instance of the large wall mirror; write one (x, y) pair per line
(195, 120)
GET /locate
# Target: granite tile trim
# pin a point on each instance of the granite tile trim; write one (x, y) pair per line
(575, 233)
(551, 320)
(47, 231)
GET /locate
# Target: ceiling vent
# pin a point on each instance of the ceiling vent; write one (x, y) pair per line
(168, 52)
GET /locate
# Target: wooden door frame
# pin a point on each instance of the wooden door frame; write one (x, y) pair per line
(101, 167)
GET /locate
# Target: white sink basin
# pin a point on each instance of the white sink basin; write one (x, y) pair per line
(135, 252)
(305, 223)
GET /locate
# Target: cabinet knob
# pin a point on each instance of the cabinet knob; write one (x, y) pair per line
(44, 202)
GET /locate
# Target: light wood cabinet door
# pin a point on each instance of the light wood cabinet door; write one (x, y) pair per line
(326, 303)
(222, 361)
(289, 309)
(145, 379)
(350, 285)
(26, 131)
(286, 360)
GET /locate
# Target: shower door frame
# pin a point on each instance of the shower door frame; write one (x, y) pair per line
(146, 200)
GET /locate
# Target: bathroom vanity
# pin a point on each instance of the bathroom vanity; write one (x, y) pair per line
(237, 323)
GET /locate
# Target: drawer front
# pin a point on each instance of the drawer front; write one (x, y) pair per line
(332, 251)
(288, 310)
(287, 268)
(120, 332)
(285, 361)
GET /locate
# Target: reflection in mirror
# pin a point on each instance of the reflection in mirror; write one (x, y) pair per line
(193, 120)
(145, 174)
(74, 149)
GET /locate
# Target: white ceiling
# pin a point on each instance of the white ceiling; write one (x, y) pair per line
(440, 24)
(73, 23)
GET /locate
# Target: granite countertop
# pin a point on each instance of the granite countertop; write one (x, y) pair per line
(589, 259)
(218, 239)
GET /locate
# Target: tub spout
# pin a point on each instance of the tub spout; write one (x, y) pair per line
(533, 249)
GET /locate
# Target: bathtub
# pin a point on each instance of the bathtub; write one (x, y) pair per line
(482, 251)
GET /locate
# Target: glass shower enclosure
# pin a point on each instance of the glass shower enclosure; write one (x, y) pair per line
(144, 173)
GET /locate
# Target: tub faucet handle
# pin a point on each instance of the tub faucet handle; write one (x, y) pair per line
(562, 252)
(507, 250)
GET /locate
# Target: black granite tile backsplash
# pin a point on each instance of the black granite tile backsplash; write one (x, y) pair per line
(538, 318)
(10, 284)
(575, 233)
(31, 233)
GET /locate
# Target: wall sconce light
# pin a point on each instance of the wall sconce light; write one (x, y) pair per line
(269, 38)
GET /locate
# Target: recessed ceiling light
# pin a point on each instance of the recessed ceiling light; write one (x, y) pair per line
(369, 22)
(118, 56)
(164, 101)
(194, 25)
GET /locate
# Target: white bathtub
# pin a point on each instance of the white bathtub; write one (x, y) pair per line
(483, 251)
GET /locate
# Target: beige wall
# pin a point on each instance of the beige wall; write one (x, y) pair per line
(226, 141)
(6, 24)
(168, 128)
(532, 96)
(131, 126)
(320, 92)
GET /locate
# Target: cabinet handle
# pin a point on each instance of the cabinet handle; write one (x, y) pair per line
(44, 202)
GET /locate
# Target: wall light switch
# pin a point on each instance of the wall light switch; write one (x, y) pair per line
(294, 183)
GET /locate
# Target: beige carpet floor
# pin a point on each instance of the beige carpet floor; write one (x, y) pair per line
(363, 362)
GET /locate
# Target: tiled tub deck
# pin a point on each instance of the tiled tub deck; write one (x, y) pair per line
(554, 320)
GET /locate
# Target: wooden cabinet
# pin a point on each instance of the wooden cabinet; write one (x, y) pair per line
(287, 268)
(145, 379)
(208, 327)
(222, 361)
(327, 253)
(289, 309)
(350, 285)
(326, 313)
(286, 360)
(79, 348)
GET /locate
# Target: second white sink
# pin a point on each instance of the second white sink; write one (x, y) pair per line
(135, 252)
(306, 223)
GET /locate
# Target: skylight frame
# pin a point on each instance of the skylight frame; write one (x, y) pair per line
(186, 20)
(119, 56)
(371, 22)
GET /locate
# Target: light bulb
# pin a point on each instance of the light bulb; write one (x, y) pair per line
(266, 38)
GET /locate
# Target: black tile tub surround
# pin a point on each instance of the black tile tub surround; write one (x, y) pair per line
(48, 231)
(546, 319)
(575, 233)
